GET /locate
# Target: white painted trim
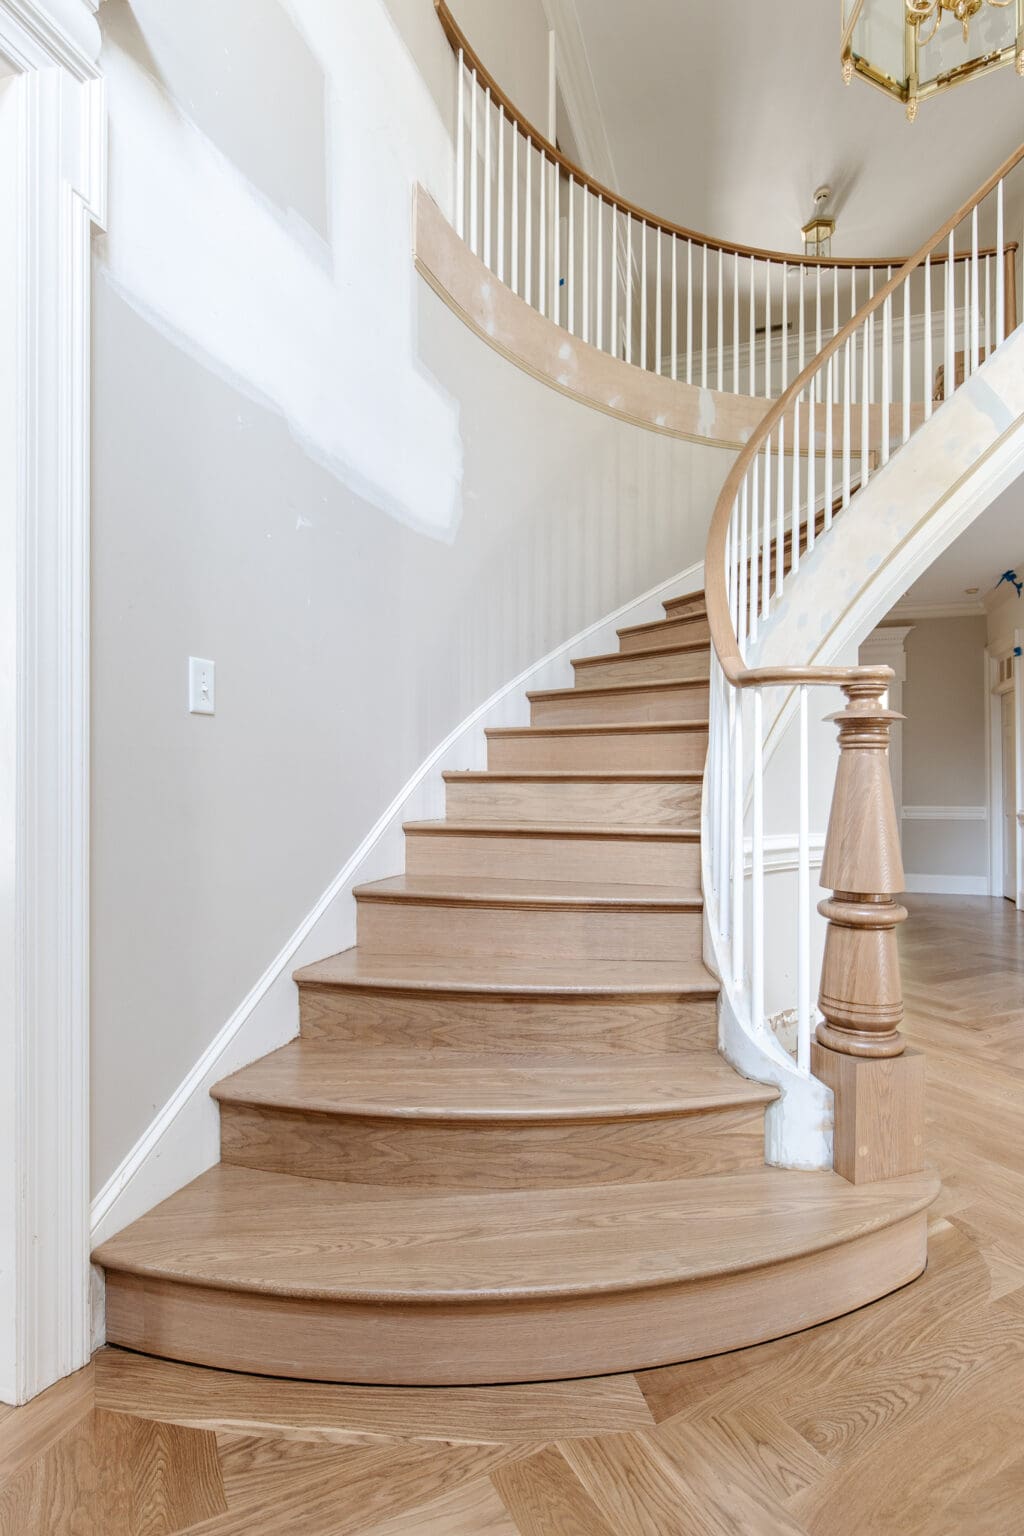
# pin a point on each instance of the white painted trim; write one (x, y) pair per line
(947, 885)
(911, 611)
(781, 852)
(945, 813)
(182, 1140)
(44, 1040)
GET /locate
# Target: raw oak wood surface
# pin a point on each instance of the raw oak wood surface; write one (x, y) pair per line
(904, 1418)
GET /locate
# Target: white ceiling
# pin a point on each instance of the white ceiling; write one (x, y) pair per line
(992, 544)
(725, 115)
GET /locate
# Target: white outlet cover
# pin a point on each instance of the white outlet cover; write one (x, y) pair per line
(201, 686)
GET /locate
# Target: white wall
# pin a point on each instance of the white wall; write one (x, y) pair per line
(512, 43)
(307, 469)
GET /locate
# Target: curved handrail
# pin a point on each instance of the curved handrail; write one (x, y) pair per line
(723, 634)
(461, 45)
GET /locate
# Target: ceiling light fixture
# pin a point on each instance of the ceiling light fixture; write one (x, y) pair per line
(819, 229)
(903, 48)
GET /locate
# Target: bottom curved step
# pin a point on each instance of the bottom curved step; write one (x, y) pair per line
(285, 1276)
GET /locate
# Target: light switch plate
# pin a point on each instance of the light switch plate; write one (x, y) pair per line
(201, 686)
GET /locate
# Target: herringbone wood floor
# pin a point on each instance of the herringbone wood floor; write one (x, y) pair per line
(906, 1417)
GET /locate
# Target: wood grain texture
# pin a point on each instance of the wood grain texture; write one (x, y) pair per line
(516, 851)
(619, 702)
(652, 800)
(670, 746)
(667, 631)
(879, 1112)
(686, 661)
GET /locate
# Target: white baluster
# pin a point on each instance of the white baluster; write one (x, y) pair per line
(795, 512)
(803, 926)
(657, 302)
(689, 311)
(599, 276)
(865, 406)
(929, 381)
(741, 628)
(704, 319)
(847, 401)
(675, 307)
(988, 306)
(501, 194)
(556, 245)
(835, 323)
(801, 359)
(528, 229)
(613, 337)
(785, 327)
(487, 176)
(1000, 269)
(515, 208)
(736, 323)
(643, 295)
(870, 340)
(949, 366)
(751, 330)
(768, 330)
(571, 274)
(460, 153)
(780, 510)
(817, 324)
(721, 326)
(886, 374)
(737, 845)
(829, 426)
(757, 869)
(975, 290)
(853, 347)
(755, 513)
(812, 494)
(766, 556)
(542, 236)
(585, 297)
(629, 287)
(473, 178)
(907, 342)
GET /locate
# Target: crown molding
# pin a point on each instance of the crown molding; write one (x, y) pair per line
(910, 611)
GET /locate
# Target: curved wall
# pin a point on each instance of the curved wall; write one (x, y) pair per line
(308, 469)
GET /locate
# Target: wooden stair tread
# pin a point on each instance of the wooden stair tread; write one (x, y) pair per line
(573, 775)
(479, 890)
(551, 829)
(498, 974)
(611, 728)
(471, 1086)
(680, 647)
(245, 1231)
(640, 685)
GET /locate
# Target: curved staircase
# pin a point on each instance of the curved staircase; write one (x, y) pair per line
(504, 1146)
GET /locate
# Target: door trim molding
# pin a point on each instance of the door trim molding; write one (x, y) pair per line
(59, 137)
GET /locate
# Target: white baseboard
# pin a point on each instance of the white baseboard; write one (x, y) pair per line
(183, 1139)
(947, 885)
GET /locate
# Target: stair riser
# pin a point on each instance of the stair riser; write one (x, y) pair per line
(693, 603)
(616, 804)
(672, 632)
(493, 856)
(682, 666)
(503, 1023)
(654, 751)
(456, 1157)
(420, 928)
(451, 1344)
(611, 709)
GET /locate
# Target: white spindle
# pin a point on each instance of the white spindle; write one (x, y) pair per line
(515, 208)
(643, 295)
(817, 325)
(542, 234)
(907, 340)
(766, 554)
(803, 926)
(757, 868)
(853, 347)
(847, 401)
(704, 320)
(689, 311)
(812, 494)
(870, 340)
(488, 114)
(1000, 269)
(785, 327)
(780, 509)
(754, 504)
(736, 323)
(794, 519)
(585, 295)
(721, 326)
(886, 374)
(741, 628)
(865, 407)
(556, 246)
(473, 178)
(829, 427)
(675, 307)
(501, 194)
(599, 274)
(949, 365)
(929, 382)
(975, 289)
(571, 274)
(835, 323)
(657, 302)
(629, 287)
(460, 153)
(528, 226)
(613, 334)
(737, 844)
(988, 306)
(751, 329)
(768, 330)
(801, 359)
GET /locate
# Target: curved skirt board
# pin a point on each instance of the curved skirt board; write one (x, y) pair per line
(441, 1344)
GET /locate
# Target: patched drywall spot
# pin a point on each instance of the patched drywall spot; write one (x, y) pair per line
(203, 254)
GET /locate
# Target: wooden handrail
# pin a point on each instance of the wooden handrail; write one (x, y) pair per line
(461, 44)
(723, 635)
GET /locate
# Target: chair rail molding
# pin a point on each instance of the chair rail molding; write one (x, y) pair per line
(53, 150)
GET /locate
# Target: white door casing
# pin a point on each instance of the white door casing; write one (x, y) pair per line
(53, 128)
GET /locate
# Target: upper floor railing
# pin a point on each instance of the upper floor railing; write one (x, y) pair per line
(811, 453)
(664, 298)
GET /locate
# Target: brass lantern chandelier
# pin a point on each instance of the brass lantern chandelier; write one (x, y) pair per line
(912, 49)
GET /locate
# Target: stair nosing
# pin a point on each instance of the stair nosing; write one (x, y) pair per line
(546, 829)
(639, 685)
(599, 728)
(356, 1293)
(569, 775)
(504, 896)
(606, 658)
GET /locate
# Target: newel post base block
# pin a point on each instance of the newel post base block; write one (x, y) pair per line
(879, 1112)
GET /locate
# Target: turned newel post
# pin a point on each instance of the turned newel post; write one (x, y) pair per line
(859, 1051)
(861, 996)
